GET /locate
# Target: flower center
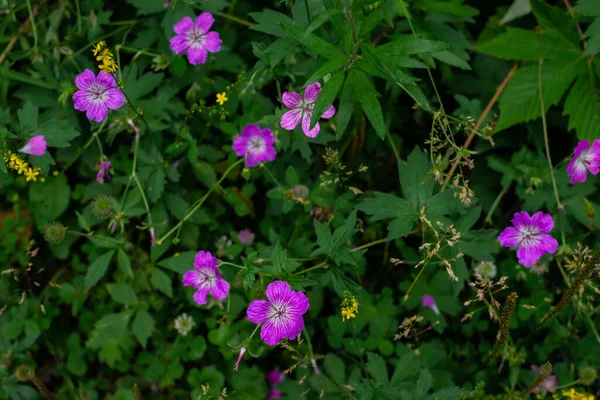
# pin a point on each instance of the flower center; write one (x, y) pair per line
(257, 145)
(97, 92)
(528, 236)
(195, 38)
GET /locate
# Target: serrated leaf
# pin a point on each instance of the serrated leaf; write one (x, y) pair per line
(423, 385)
(111, 327)
(147, 7)
(269, 22)
(376, 368)
(28, 118)
(180, 263)
(311, 41)
(406, 368)
(591, 8)
(583, 108)
(83, 222)
(554, 20)
(279, 258)
(416, 186)
(142, 326)
(330, 90)
(122, 293)
(97, 270)
(57, 132)
(345, 109)
(161, 281)
(518, 9)
(335, 368)
(330, 66)
(367, 97)
(514, 44)
(124, 263)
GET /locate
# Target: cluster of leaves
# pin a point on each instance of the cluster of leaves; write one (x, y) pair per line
(94, 314)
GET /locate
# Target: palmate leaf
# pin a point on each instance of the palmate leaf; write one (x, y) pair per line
(330, 90)
(311, 41)
(583, 108)
(367, 97)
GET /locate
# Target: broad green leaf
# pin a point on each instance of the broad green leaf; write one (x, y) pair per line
(97, 270)
(124, 263)
(376, 368)
(416, 186)
(83, 222)
(520, 101)
(385, 206)
(330, 90)
(330, 66)
(367, 97)
(593, 43)
(111, 327)
(147, 7)
(161, 281)
(57, 132)
(410, 45)
(406, 368)
(142, 326)
(279, 258)
(311, 41)
(450, 7)
(122, 293)
(554, 20)
(514, 44)
(335, 368)
(518, 9)
(320, 20)
(423, 385)
(28, 118)
(50, 199)
(583, 108)
(180, 263)
(270, 21)
(279, 50)
(344, 111)
(591, 8)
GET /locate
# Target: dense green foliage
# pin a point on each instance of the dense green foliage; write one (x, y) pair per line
(450, 117)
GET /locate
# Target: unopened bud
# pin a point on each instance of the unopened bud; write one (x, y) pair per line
(587, 375)
(246, 173)
(589, 209)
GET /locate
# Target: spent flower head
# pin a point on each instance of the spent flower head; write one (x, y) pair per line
(184, 324)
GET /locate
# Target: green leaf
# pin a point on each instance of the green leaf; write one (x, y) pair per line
(385, 206)
(406, 46)
(111, 327)
(406, 368)
(416, 185)
(279, 258)
(28, 118)
(124, 263)
(336, 63)
(555, 20)
(161, 281)
(50, 199)
(423, 385)
(97, 270)
(377, 368)
(57, 132)
(138, 88)
(181, 263)
(320, 20)
(345, 109)
(197, 347)
(330, 90)
(583, 108)
(520, 101)
(142, 326)
(83, 222)
(517, 9)
(311, 41)
(156, 184)
(270, 21)
(122, 293)
(367, 97)
(147, 7)
(593, 43)
(591, 8)
(450, 7)
(514, 44)
(335, 368)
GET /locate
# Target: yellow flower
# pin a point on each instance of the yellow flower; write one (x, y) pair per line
(21, 166)
(106, 57)
(222, 98)
(571, 394)
(98, 48)
(349, 307)
(31, 174)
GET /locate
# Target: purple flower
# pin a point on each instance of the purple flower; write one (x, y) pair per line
(255, 144)
(36, 146)
(97, 94)
(547, 384)
(195, 38)
(245, 236)
(530, 235)
(585, 159)
(103, 176)
(275, 377)
(302, 109)
(237, 364)
(429, 302)
(206, 278)
(281, 315)
(274, 394)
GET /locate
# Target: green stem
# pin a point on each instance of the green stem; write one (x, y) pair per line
(362, 362)
(86, 145)
(488, 217)
(304, 271)
(366, 245)
(232, 264)
(32, 22)
(199, 203)
(394, 149)
(78, 9)
(234, 19)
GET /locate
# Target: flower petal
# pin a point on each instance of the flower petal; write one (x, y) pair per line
(212, 42)
(197, 55)
(204, 259)
(291, 99)
(293, 326)
(200, 296)
(191, 278)
(577, 171)
(97, 112)
(220, 290)
(85, 79)
(530, 254)
(520, 219)
(581, 147)
(258, 311)
(251, 130)
(291, 119)
(543, 222)
(240, 146)
(114, 98)
(179, 44)
(312, 92)
(278, 291)
(272, 332)
(509, 237)
(298, 303)
(330, 112)
(204, 21)
(312, 133)
(183, 26)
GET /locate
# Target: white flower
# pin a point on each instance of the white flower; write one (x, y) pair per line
(184, 324)
(487, 270)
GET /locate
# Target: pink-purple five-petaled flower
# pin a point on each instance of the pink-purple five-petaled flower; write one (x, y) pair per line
(255, 144)
(97, 94)
(206, 278)
(103, 175)
(196, 38)
(586, 159)
(530, 235)
(302, 110)
(281, 315)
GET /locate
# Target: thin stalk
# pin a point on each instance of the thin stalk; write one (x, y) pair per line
(199, 203)
(362, 362)
(546, 141)
(488, 217)
(234, 19)
(366, 245)
(304, 271)
(394, 149)
(33, 27)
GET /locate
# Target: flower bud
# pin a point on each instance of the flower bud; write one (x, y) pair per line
(54, 232)
(103, 206)
(246, 173)
(587, 375)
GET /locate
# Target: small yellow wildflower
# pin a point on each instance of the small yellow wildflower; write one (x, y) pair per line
(104, 55)
(31, 174)
(222, 98)
(573, 395)
(21, 166)
(349, 307)
(98, 48)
